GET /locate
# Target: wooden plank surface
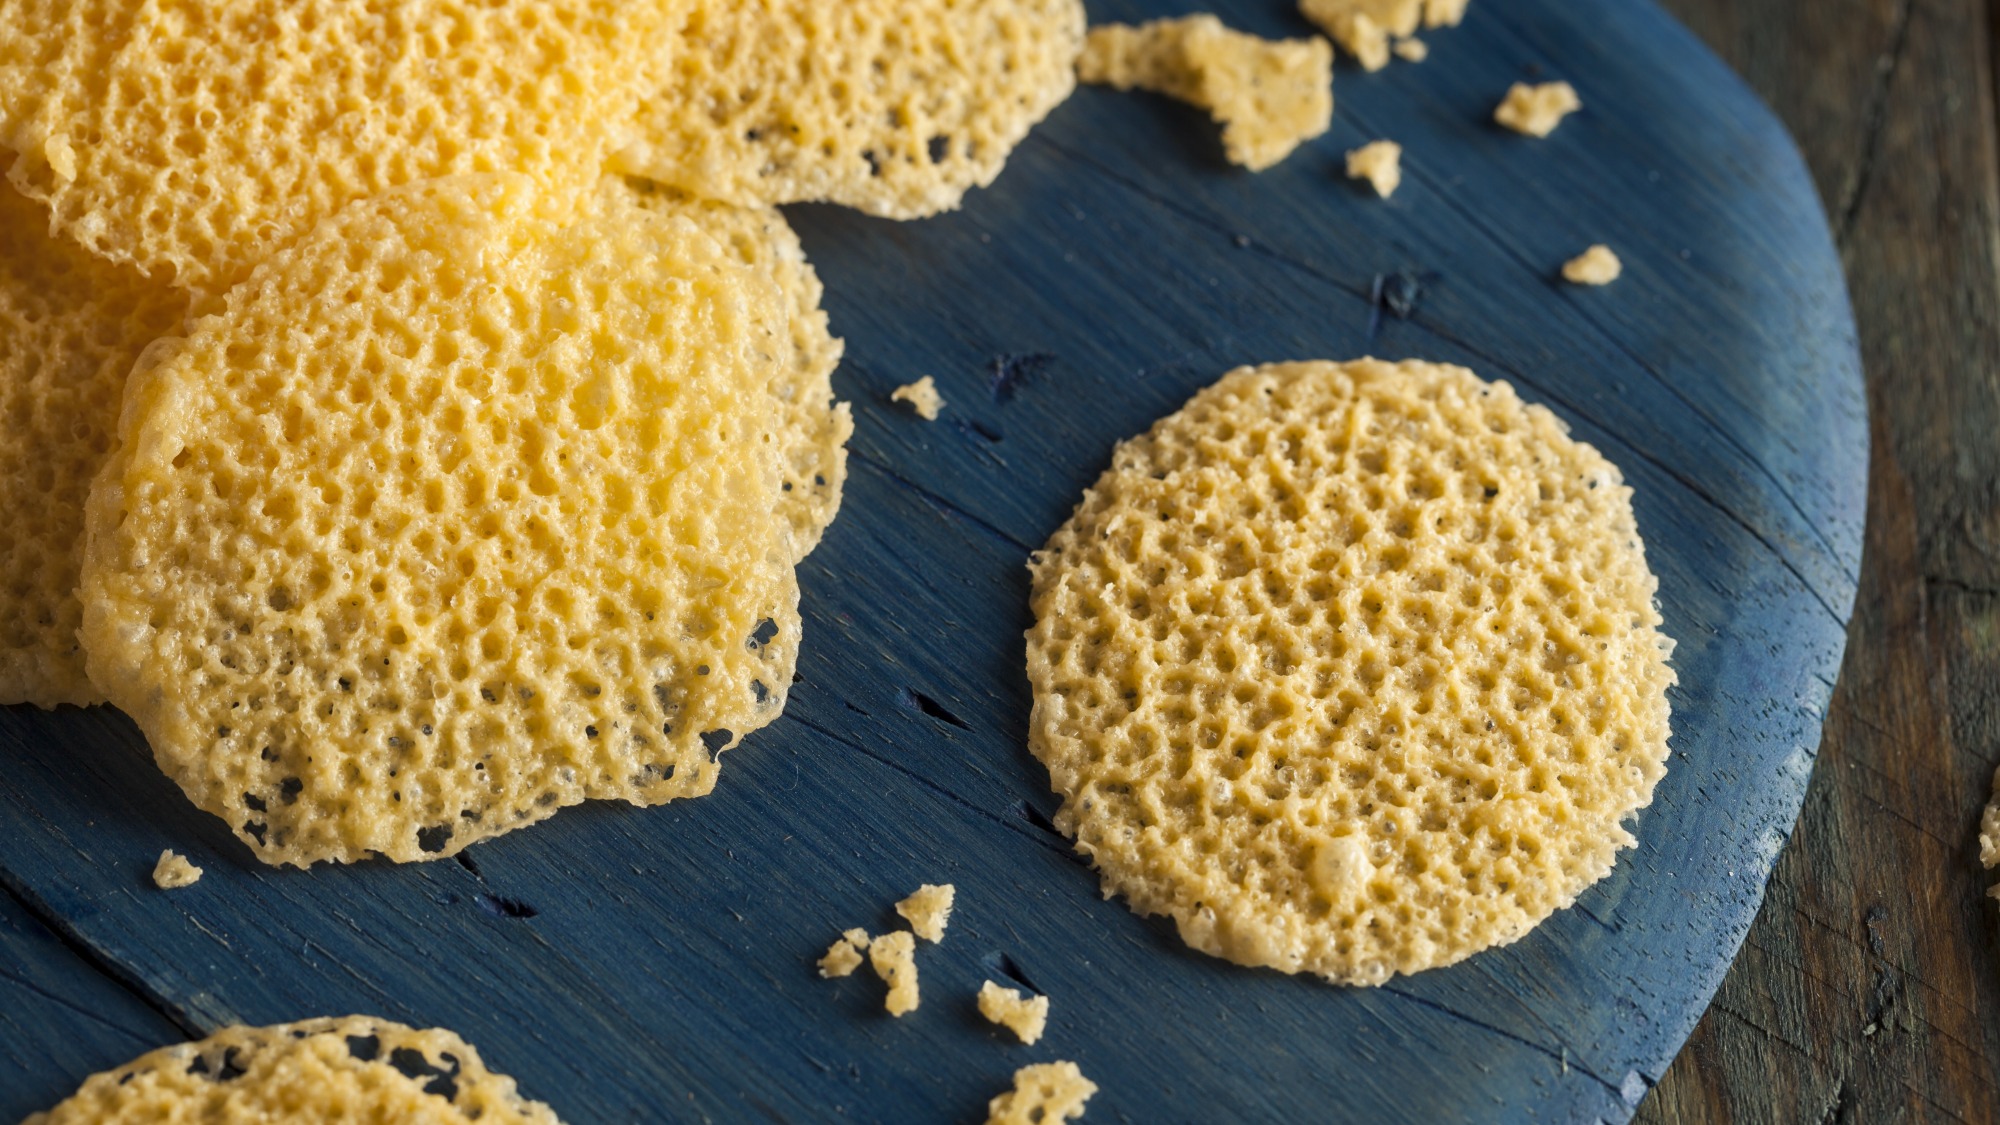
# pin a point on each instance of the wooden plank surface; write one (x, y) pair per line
(1869, 989)
(656, 964)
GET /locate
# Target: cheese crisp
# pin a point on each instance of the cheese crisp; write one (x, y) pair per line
(71, 326)
(1350, 669)
(354, 1069)
(927, 909)
(1025, 1016)
(192, 139)
(1270, 96)
(464, 510)
(895, 107)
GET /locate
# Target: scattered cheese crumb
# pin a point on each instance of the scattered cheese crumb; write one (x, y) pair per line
(1536, 110)
(1595, 266)
(1044, 1094)
(1444, 13)
(894, 958)
(1363, 27)
(922, 396)
(1378, 162)
(844, 955)
(61, 157)
(1024, 1016)
(928, 909)
(1411, 50)
(174, 871)
(1989, 834)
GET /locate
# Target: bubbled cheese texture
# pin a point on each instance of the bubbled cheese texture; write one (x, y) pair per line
(812, 428)
(465, 510)
(71, 327)
(1350, 669)
(190, 138)
(1270, 96)
(323, 1070)
(895, 107)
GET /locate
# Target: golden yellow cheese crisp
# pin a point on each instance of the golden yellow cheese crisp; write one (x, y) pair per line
(71, 327)
(465, 509)
(895, 107)
(354, 1069)
(1350, 668)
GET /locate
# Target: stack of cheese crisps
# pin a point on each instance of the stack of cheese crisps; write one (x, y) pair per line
(459, 478)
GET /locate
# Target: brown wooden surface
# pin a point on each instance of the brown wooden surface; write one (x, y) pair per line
(1869, 990)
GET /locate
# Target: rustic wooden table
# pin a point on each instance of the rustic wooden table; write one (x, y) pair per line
(1869, 990)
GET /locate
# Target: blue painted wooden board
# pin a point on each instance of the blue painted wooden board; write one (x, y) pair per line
(657, 964)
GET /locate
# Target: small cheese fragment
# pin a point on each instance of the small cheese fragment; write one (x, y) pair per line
(1378, 162)
(844, 955)
(1411, 50)
(174, 871)
(1363, 27)
(1595, 266)
(894, 958)
(1270, 96)
(1025, 1016)
(1535, 111)
(1989, 834)
(928, 909)
(1444, 13)
(922, 396)
(1044, 1094)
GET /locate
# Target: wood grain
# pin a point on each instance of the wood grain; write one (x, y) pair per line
(630, 964)
(1868, 990)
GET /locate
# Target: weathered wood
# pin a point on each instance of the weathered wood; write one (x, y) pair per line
(629, 964)
(1868, 990)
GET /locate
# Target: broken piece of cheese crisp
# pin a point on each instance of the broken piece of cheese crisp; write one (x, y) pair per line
(464, 510)
(894, 107)
(71, 327)
(1350, 669)
(1269, 96)
(191, 139)
(352, 1069)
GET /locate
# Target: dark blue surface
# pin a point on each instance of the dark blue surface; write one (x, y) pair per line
(666, 970)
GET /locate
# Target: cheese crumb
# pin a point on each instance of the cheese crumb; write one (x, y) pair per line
(1044, 1094)
(894, 958)
(1025, 1016)
(1535, 111)
(1363, 27)
(844, 955)
(174, 871)
(922, 396)
(61, 157)
(928, 909)
(1444, 13)
(1595, 266)
(1378, 162)
(1269, 95)
(1989, 834)
(1412, 50)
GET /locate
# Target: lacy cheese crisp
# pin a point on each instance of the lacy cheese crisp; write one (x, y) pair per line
(71, 327)
(464, 510)
(191, 139)
(895, 107)
(352, 1069)
(1350, 669)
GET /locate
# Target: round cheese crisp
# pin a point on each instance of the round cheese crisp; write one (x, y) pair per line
(1350, 669)
(324, 1070)
(812, 428)
(191, 138)
(895, 107)
(464, 510)
(71, 326)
